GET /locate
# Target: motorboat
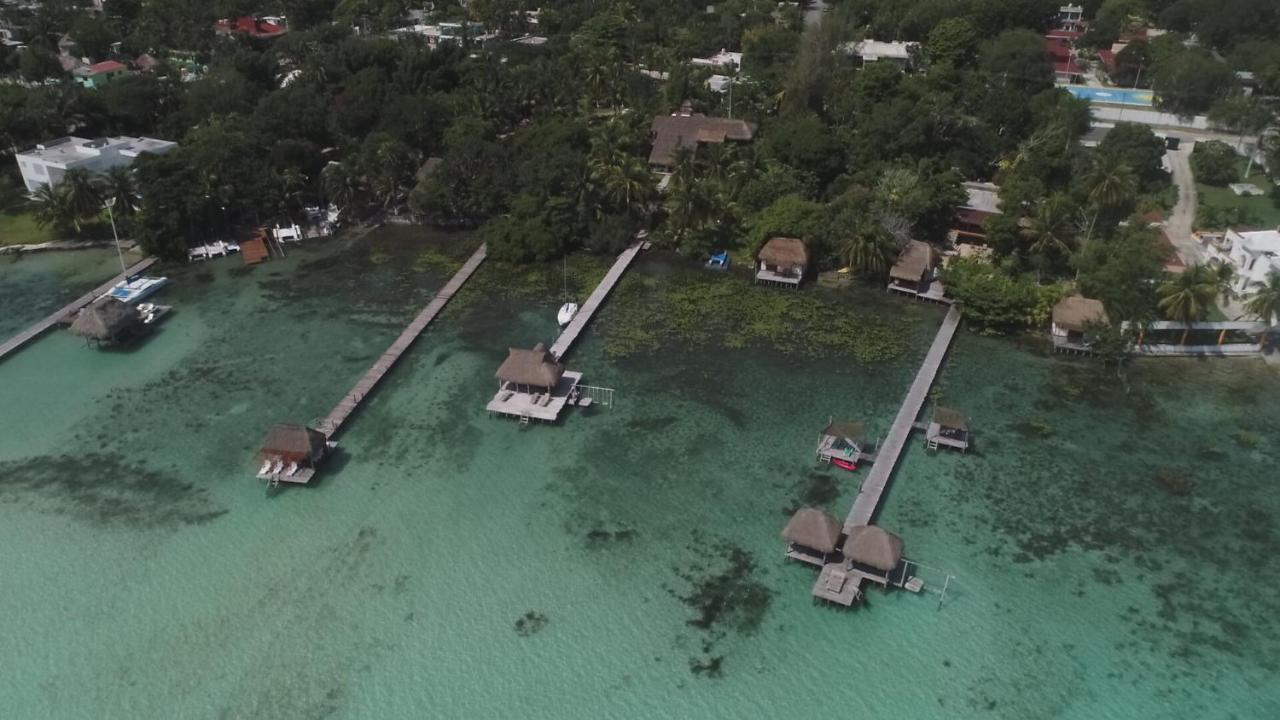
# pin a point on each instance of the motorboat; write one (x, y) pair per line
(566, 313)
(137, 288)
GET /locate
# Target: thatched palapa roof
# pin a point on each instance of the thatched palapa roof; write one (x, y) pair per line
(813, 528)
(294, 442)
(530, 367)
(106, 320)
(1076, 312)
(851, 430)
(916, 259)
(950, 418)
(784, 251)
(874, 546)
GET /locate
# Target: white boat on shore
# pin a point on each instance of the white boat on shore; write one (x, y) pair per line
(212, 250)
(136, 289)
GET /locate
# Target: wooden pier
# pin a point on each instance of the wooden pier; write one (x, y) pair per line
(333, 422)
(17, 341)
(579, 321)
(864, 506)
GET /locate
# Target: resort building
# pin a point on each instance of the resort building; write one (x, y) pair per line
(108, 322)
(687, 129)
(48, 162)
(1070, 17)
(782, 260)
(811, 535)
(1075, 322)
(290, 453)
(1254, 255)
(872, 552)
(898, 53)
(723, 60)
(983, 202)
(915, 271)
(841, 444)
(533, 385)
(256, 28)
(947, 427)
(99, 74)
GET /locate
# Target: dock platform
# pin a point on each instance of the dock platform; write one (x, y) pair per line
(864, 506)
(545, 407)
(16, 342)
(333, 422)
(597, 298)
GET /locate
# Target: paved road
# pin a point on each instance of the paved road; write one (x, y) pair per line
(1182, 219)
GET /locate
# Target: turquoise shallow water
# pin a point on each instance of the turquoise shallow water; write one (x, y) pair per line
(32, 285)
(1112, 538)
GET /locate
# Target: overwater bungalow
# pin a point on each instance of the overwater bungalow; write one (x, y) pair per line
(872, 553)
(290, 454)
(1076, 320)
(842, 444)
(109, 322)
(811, 535)
(782, 261)
(948, 427)
(533, 385)
(914, 272)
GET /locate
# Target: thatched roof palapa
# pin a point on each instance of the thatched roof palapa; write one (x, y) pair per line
(916, 259)
(106, 320)
(534, 367)
(874, 546)
(950, 418)
(1076, 312)
(293, 442)
(850, 430)
(784, 252)
(813, 528)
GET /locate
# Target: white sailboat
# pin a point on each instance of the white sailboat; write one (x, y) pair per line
(130, 289)
(568, 309)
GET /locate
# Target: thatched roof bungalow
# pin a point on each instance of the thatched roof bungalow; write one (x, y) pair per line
(948, 427)
(782, 260)
(1075, 319)
(108, 322)
(874, 547)
(293, 443)
(530, 368)
(811, 534)
(914, 270)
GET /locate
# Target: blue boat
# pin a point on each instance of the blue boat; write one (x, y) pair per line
(719, 260)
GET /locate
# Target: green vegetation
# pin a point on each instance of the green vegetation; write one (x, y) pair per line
(1219, 207)
(21, 228)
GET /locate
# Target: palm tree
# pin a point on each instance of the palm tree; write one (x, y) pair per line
(81, 190)
(1224, 276)
(1265, 300)
(1050, 231)
(1110, 185)
(50, 207)
(118, 185)
(1186, 297)
(869, 249)
(343, 186)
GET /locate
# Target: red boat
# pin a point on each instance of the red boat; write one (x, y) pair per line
(846, 464)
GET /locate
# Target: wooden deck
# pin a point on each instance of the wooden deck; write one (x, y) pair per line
(525, 406)
(38, 329)
(333, 422)
(579, 321)
(864, 507)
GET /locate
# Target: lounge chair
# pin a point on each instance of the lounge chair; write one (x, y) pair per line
(266, 465)
(836, 580)
(546, 400)
(292, 469)
(275, 469)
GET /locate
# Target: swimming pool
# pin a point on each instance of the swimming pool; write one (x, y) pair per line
(1115, 96)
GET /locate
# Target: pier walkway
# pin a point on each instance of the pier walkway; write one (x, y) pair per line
(887, 454)
(332, 422)
(579, 321)
(35, 331)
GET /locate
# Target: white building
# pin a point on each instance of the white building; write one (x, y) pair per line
(1070, 17)
(876, 50)
(723, 59)
(49, 161)
(1254, 254)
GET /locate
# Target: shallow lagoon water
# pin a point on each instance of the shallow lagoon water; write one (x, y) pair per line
(1112, 538)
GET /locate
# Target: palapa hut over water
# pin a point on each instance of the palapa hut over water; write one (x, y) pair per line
(782, 260)
(842, 443)
(873, 552)
(534, 368)
(290, 453)
(108, 322)
(811, 535)
(948, 427)
(1075, 321)
(913, 273)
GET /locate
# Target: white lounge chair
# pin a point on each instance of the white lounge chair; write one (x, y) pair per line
(266, 465)
(293, 468)
(275, 469)
(835, 581)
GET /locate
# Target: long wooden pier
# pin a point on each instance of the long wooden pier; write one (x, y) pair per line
(579, 321)
(864, 507)
(38, 329)
(332, 422)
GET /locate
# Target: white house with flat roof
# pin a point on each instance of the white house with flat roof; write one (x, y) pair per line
(1254, 254)
(48, 162)
(899, 53)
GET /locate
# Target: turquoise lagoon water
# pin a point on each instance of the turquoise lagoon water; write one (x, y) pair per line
(1113, 538)
(32, 285)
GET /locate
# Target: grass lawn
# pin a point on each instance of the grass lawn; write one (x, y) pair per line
(1257, 210)
(19, 228)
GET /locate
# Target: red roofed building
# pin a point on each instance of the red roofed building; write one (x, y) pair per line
(255, 28)
(99, 74)
(1059, 45)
